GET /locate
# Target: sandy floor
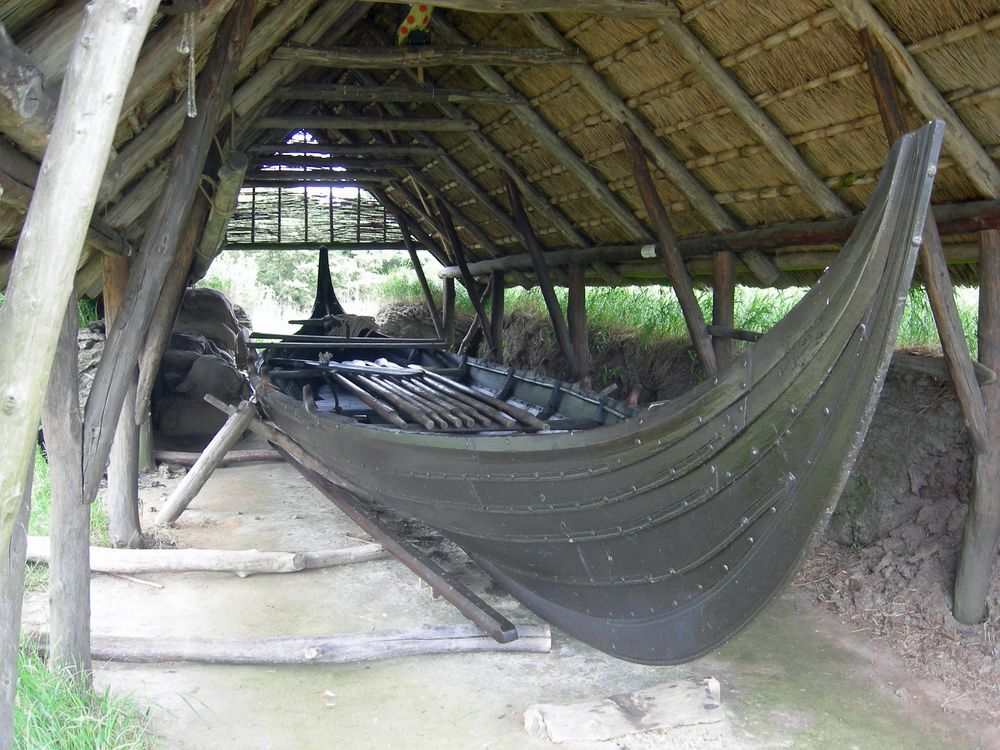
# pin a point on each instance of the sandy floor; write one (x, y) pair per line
(797, 678)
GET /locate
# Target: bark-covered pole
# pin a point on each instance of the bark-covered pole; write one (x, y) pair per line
(69, 522)
(11, 594)
(127, 335)
(49, 248)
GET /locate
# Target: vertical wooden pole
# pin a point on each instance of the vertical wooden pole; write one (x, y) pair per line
(122, 496)
(52, 238)
(69, 521)
(12, 596)
(146, 461)
(723, 304)
(982, 524)
(534, 249)
(576, 315)
(669, 254)
(448, 312)
(497, 289)
(418, 269)
(467, 281)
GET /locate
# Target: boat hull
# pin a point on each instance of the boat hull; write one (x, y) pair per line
(657, 538)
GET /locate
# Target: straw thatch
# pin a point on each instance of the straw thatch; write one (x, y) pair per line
(799, 62)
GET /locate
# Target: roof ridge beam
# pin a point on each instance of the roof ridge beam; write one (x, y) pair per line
(359, 58)
(536, 124)
(756, 119)
(963, 147)
(696, 194)
(617, 9)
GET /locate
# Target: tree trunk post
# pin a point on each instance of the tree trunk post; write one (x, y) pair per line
(147, 460)
(448, 312)
(69, 521)
(12, 596)
(467, 281)
(122, 496)
(723, 304)
(418, 269)
(497, 289)
(982, 524)
(159, 247)
(52, 238)
(576, 315)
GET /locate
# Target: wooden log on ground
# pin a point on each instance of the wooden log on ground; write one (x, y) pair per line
(52, 238)
(240, 562)
(69, 514)
(360, 58)
(122, 495)
(195, 479)
(982, 524)
(669, 255)
(12, 596)
(186, 458)
(125, 339)
(337, 649)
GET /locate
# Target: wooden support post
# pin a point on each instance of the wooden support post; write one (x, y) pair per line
(542, 272)
(224, 200)
(195, 479)
(467, 280)
(669, 254)
(576, 317)
(723, 304)
(146, 461)
(126, 337)
(497, 289)
(12, 596)
(69, 520)
(932, 260)
(982, 524)
(122, 496)
(49, 249)
(448, 311)
(418, 269)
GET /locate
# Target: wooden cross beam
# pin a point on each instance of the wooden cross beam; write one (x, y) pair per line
(619, 9)
(358, 163)
(416, 57)
(321, 92)
(392, 124)
(344, 150)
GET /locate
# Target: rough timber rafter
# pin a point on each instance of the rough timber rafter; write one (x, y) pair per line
(958, 141)
(620, 9)
(322, 92)
(359, 58)
(770, 135)
(696, 193)
(406, 124)
(580, 170)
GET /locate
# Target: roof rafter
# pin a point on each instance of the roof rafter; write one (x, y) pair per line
(359, 58)
(392, 124)
(321, 92)
(620, 8)
(605, 198)
(756, 119)
(958, 141)
(696, 194)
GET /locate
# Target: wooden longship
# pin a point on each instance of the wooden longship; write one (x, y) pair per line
(654, 534)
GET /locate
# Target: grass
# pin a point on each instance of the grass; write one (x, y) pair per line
(54, 710)
(652, 312)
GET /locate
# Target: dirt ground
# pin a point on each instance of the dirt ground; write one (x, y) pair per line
(798, 677)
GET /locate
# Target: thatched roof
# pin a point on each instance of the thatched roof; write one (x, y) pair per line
(751, 113)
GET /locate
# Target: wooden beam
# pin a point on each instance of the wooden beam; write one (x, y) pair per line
(723, 304)
(356, 58)
(329, 92)
(69, 520)
(705, 64)
(952, 219)
(542, 273)
(670, 256)
(27, 109)
(448, 311)
(982, 523)
(296, 184)
(224, 202)
(418, 269)
(563, 154)
(52, 238)
(470, 284)
(359, 163)
(50, 44)
(413, 222)
(576, 319)
(125, 339)
(12, 595)
(700, 198)
(497, 289)
(959, 143)
(363, 150)
(314, 122)
(620, 9)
